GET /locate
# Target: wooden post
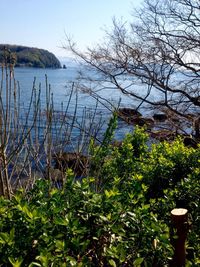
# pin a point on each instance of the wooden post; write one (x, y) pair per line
(179, 233)
(196, 127)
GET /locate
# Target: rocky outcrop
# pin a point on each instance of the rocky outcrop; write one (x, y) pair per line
(163, 135)
(160, 117)
(133, 116)
(128, 113)
(75, 161)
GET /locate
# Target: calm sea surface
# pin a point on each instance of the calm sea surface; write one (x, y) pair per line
(60, 81)
(71, 130)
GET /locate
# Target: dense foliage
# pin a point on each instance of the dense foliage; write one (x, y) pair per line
(30, 57)
(119, 216)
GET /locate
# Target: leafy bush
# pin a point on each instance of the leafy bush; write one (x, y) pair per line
(77, 227)
(113, 218)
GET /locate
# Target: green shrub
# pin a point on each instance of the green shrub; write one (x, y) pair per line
(123, 221)
(77, 227)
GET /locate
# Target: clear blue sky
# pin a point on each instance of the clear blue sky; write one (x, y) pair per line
(43, 23)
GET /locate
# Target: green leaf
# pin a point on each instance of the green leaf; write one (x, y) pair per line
(7, 238)
(35, 264)
(138, 262)
(61, 221)
(111, 193)
(15, 263)
(71, 260)
(103, 218)
(112, 263)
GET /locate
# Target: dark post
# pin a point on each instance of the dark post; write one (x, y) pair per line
(196, 127)
(179, 234)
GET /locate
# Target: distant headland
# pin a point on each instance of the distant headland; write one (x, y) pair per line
(23, 56)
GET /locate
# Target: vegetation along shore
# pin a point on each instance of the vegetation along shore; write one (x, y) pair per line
(23, 56)
(70, 196)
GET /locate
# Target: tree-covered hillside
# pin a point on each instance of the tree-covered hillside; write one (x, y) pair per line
(28, 56)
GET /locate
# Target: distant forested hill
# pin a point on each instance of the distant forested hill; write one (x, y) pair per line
(28, 56)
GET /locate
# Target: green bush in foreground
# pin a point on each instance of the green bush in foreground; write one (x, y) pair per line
(118, 217)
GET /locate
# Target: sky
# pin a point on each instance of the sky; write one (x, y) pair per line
(45, 23)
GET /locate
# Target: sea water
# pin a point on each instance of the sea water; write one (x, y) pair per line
(60, 83)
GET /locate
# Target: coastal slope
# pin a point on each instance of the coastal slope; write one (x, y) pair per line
(23, 56)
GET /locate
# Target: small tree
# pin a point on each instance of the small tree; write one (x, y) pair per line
(161, 51)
